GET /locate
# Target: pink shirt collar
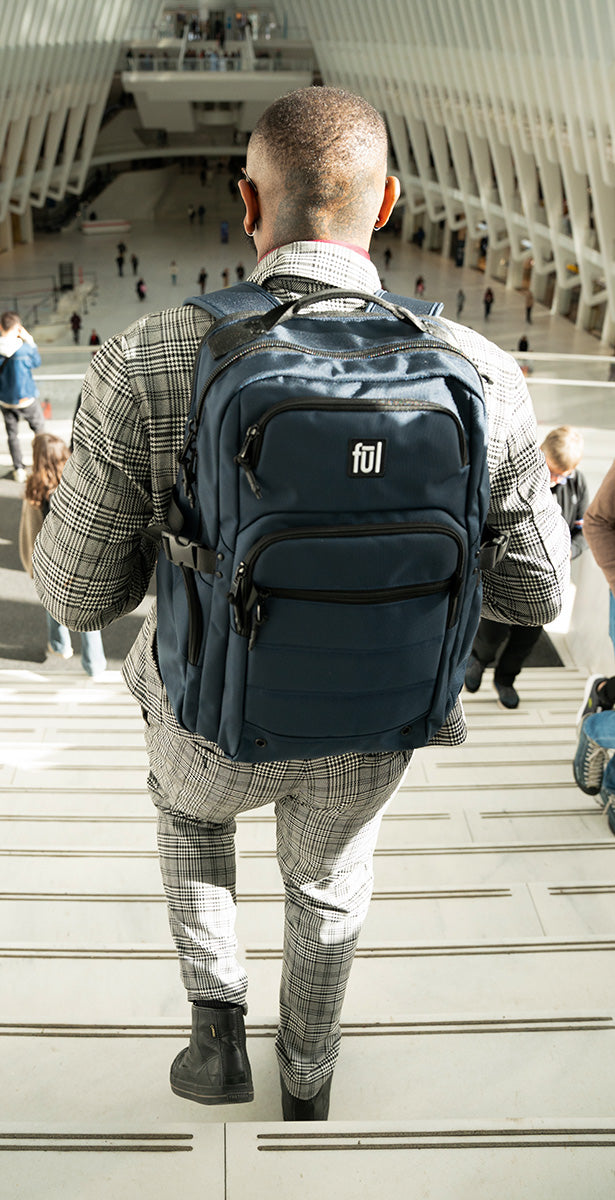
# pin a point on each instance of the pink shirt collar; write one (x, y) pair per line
(325, 241)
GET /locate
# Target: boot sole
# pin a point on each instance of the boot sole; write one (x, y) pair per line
(241, 1095)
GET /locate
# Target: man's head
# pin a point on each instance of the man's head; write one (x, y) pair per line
(563, 449)
(9, 320)
(316, 170)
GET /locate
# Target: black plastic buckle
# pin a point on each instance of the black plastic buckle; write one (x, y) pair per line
(492, 551)
(184, 553)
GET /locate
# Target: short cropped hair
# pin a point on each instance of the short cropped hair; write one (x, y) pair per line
(9, 320)
(563, 447)
(326, 143)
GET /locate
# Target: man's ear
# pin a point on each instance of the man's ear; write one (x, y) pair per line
(392, 188)
(250, 200)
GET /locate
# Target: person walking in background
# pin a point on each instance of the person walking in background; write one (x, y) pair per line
(75, 324)
(141, 289)
(523, 347)
(225, 277)
(49, 456)
(488, 301)
(191, 213)
(510, 645)
(173, 271)
(239, 272)
(120, 263)
(19, 356)
(202, 280)
(529, 304)
(419, 286)
(461, 299)
(94, 338)
(388, 254)
(201, 211)
(134, 262)
(224, 232)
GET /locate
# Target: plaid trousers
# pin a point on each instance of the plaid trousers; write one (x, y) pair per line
(328, 814)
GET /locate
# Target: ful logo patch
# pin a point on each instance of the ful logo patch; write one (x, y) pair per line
(366, 459)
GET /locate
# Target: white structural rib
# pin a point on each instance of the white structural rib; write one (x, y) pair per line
(56, 65)
(502, 118)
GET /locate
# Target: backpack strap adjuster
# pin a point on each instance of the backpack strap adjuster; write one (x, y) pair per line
(492, 549)
(184, 553)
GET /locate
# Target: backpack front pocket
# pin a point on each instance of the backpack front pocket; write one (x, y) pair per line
(328, 652)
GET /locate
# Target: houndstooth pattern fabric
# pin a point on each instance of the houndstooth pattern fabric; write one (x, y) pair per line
(328, 813)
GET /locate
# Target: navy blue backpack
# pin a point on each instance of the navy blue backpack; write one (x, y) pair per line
(319, 583)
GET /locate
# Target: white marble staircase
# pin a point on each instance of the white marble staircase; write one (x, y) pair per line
(478, 1016)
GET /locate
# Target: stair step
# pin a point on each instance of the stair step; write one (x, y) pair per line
(538, 1065)
(523, 1160)
(541, 1159)
(420, 866)
(520, 910)
(90, 982)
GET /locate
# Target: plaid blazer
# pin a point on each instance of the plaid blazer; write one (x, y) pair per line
(94, 557)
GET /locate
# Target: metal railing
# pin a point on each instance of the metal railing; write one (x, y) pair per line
(61, 376)
(213, 61)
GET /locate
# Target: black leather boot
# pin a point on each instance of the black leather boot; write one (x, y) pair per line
(314, 1109)
(214, 1068)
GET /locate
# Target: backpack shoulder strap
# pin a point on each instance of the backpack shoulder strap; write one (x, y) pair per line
(237, 300)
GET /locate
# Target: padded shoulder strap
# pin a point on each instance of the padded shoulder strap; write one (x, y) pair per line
(422, 308)
(236, 300)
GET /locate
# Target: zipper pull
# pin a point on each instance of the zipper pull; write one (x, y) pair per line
(248, 456)
(234, 599)
(258, 619)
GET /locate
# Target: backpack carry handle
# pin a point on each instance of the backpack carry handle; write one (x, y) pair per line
(221, 341)
(292, 307)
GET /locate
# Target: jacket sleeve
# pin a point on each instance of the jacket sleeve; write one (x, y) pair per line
(599, 527)
(94, 557)
(96, 553)
(527, 587)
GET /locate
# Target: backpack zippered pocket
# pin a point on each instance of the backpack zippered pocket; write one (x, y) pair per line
(249, 455)
(313, 622)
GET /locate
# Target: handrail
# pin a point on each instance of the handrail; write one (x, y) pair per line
(213, 61)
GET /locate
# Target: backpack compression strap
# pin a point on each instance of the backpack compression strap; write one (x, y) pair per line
(422, 308)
